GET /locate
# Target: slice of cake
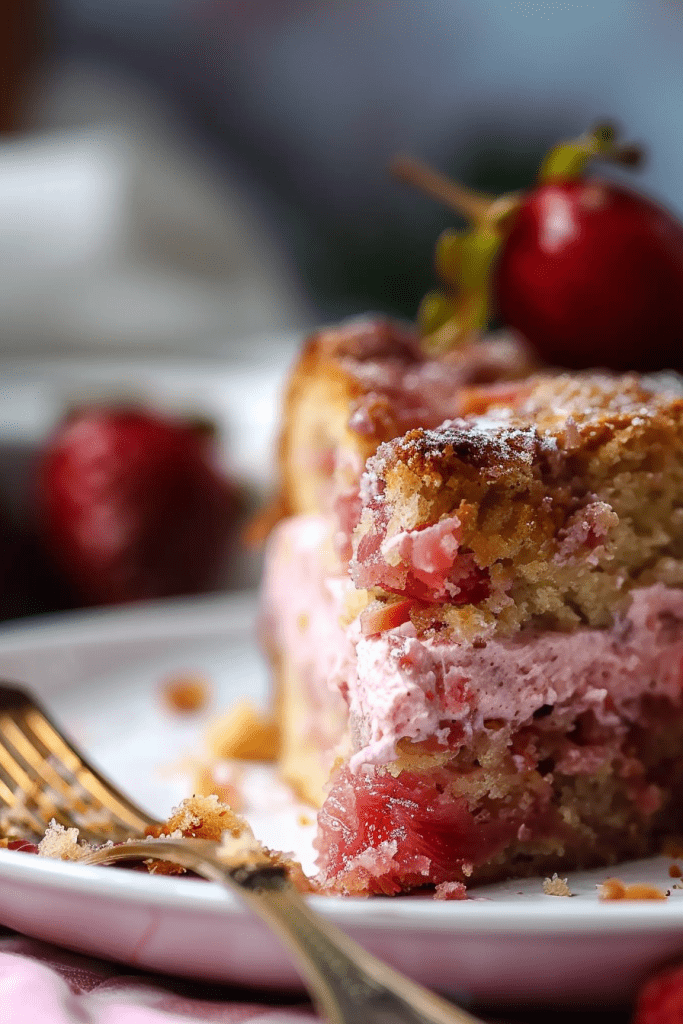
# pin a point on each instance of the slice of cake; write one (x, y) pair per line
(353, 387)
(495, 674)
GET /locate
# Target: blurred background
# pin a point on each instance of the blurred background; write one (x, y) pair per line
(207, 178)
(180, 173)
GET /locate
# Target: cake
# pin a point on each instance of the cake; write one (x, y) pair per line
(476, 624)
(353, 387)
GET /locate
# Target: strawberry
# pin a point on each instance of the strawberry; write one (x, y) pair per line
(589, 272)
(593, 274)
(130, 505)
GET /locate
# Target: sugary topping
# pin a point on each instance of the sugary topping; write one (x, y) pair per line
(598, 398)
(366, 338)
(547, 413)
(556, 886)
(61, 843)
(489, 444)
(547, 508)
(202, 817)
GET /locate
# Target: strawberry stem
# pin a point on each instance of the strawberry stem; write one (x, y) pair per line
(568, 160)
(464, 260)
(474, 206)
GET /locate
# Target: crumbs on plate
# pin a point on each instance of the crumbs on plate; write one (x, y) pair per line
(187, 693)
(450, 891)
(223, 780)
(615, 889)
(244, 734)
(556, 886)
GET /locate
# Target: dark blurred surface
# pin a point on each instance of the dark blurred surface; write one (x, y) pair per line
(22, 47)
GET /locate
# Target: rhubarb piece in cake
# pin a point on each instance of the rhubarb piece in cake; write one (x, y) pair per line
(545, 513)
(515, 687)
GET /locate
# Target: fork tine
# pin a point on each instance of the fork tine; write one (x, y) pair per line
(67, 805)
(28, 735)
(28, 804)
(27, 785)
(11, 799)
(130, 816)
(36, 759)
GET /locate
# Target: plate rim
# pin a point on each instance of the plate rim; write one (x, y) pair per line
(530, 916)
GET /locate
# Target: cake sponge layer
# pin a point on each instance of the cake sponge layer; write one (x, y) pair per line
(364, 382)
(543, 512)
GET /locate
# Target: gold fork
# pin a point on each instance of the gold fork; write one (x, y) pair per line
(43, 776)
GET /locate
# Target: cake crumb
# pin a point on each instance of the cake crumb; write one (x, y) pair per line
(202, 817)
(244, 734)
(186, 694)
(197, 817)
(304, 820)
(450, 891)
(675, 871)
(614, 889)
(61, 843)
(220, 780)
(236, 851)
(556, 886)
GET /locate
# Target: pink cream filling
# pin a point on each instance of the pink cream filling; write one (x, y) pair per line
(301, 603)
(407, 687)
(401, 686)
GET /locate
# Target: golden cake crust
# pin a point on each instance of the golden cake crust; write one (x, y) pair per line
(565, 497)
(362, 383)
(577, 414)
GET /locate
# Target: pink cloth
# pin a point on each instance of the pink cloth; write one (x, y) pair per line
(41, 984)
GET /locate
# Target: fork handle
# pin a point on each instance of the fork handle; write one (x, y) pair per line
(348, 985)
(351, 986)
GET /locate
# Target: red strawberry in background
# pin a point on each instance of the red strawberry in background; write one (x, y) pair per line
(131, 505)
(589, 272)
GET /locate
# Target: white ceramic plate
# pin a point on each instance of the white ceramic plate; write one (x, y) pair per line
(99, 674)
